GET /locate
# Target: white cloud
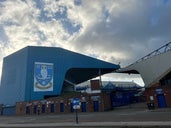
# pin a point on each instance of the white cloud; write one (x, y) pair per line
(115, 31)
(127, 30)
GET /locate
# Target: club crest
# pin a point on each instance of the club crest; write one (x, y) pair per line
(43, 78)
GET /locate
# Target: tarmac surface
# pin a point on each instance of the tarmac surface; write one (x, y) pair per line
(136, 116)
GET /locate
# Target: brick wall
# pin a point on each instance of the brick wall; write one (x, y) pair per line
(167, 94)
(95, 84)
(152, 92)
(23, 108)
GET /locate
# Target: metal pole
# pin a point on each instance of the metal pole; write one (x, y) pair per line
(76, 119)
(101, 89)
(100, 78)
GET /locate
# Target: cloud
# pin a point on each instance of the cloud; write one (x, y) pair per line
(123, 77)
(115, 31)
(127, 32)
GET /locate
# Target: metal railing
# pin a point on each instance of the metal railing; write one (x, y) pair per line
(162, 49)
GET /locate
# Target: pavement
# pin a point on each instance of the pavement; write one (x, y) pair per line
(136, 116)
(150, 124)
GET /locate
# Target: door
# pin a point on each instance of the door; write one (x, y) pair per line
(96, 106)
(28, 110)
(61, 107)
(52, 108)
(161, 101)
(83, 106)
(72, 109)
(35, 109)
(43, 108)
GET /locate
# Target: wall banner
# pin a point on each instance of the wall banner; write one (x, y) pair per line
(43, 76)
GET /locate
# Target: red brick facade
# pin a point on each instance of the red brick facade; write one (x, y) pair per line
(151, 92)
(95, 84)
(103, 100)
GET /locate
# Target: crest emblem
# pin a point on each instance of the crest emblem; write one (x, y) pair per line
(43, 77)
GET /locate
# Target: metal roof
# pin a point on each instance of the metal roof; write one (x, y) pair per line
(152, 67)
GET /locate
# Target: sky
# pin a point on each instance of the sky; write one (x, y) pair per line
(116, 31)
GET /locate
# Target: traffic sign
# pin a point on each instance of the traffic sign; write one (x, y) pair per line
(76, 103)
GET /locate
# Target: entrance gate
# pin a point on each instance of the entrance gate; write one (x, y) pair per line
(161, 101)
(96, 106)
(61, 107)
(160, 98)
(83, 106)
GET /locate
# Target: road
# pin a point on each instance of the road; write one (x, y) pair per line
(120, 117)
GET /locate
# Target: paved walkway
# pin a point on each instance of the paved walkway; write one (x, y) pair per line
(90, 124)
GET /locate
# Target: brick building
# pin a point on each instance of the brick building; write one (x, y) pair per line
(63, 104)
(160, 95)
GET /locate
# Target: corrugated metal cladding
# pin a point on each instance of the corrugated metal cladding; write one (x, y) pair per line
(34, 72)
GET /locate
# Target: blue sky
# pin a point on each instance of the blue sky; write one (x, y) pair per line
(112, 30)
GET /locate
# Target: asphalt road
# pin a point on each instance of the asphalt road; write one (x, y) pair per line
(120, 117)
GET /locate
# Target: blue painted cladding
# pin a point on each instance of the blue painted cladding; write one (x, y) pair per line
(13, 78)
(45, 55)
(63, 61)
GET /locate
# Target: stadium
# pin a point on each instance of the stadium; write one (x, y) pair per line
(38, 73)
(42, 79)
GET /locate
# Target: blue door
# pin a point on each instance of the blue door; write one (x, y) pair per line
(35, 109)
(161, 101)
(96, 106)
(72, 109)
(61, 107)
(28, 110)
(83, 106)
(11, 110)
(43, 108)
(52, 108)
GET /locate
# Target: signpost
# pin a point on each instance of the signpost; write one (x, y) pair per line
(76, 106)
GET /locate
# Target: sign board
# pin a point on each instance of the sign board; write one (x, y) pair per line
(43, 76)
(159, 91)
(151, 98)
(76, 103)
(76, 107)
(95, 98)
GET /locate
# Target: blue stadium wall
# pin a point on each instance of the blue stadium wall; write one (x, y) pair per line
(18, 73)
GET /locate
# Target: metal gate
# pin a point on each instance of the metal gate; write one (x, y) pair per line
(161, 101)
(96, 106)
(72, 109)
(61, 107)
(43, 108)
(83, 106)
(35, 109)
(52, 108)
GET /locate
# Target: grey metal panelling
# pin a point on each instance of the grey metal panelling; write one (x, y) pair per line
(152, 69)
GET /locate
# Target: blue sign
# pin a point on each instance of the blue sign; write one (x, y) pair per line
(43, 79)
(159, 91)
(76, 103)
